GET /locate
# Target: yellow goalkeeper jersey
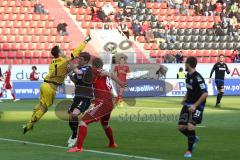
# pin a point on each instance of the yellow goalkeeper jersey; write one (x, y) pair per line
(58, 66)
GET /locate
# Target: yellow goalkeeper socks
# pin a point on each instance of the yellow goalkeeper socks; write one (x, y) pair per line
(39, 111)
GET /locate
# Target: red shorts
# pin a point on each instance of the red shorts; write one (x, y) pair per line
(7, 86)
(101, 111)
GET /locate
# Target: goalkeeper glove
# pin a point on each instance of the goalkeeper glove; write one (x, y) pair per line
(87, 39)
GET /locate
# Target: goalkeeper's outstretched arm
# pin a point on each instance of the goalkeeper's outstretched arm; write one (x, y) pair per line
(76, 52)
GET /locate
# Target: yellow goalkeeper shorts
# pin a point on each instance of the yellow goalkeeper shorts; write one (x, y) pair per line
(47, 94)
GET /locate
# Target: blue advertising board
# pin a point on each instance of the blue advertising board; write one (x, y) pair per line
(145, 88)
(29, 90)
(231, 87)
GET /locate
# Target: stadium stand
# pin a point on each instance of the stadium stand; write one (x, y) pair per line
(194, 34)
(27, 37)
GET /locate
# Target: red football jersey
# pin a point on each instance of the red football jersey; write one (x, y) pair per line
(102, 89)
(122, 76)
(7, 76)
(32, 76)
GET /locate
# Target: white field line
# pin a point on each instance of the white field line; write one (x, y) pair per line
(92, 151)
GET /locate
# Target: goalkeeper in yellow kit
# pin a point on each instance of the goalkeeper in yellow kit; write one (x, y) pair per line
(57, 73)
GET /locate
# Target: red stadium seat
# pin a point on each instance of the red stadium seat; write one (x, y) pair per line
(153, 54)
(17, 61)
(28, 17)
(141, 39)
(147, 46)
(28, 54)
(42, 61)
(19, 54)
(74, 11)
(5, 31)
(54, 31)
(80, 17)
(25, 61)
(12, 17)
(13, 31)
(2, 55)
(26, 24)
(36, 17)
(2, 24)
(23, 46)
(33, 61)
(44, 17)
(3, 39)
(51, 39)
(19, 39)
(6, 47)
(206, 53)
(36, 54)
(15, 46)
(205, 60)
(10, 39)
(38, 31)
(31, 46)
(199, 53)
(40, 46)
(23, 31)
(228, 53)
(49, 25)
(47, 47)
(11, 54)
(27, 39)
(213, 60)
(43, 39)
(59, 39)
(16, 10)
(41, 24)
(34, 39)
(155, 46)
(7, 61)
(66, 39)
(45, 54)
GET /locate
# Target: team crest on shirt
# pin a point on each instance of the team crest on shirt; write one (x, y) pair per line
(199, 79)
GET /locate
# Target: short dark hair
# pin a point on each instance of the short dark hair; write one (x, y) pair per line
(180, 69)
(97, 62)
(221, 55)
(34, 67)
(55, 51)
(192, 61)
(86, 56)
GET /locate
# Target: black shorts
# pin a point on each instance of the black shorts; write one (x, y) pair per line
(80, 103)
(219, 83)
(187, 117)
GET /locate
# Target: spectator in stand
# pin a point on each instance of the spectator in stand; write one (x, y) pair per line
(62, 28)
(127, 13)
(218, 8)
(233, 8)
(237, 58)
(94, 14)
(39, 8)
(149, 36)
(199, 9)
(169, 58)
(145, 27)
(1, 76)
(78, 3)
(119, 17)
(122, 27)
(207, 10)
(159, 37)
(233, 55)
(179, 57)
(34, 75)
(192, 4)
(178, 3)
(170, 4)
(108, 9)
(184, 9)
(101, 15)
(237, 15)
(225, 18)
(137, 29)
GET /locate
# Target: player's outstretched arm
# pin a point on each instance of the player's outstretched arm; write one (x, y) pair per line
(113, 77)
(80, 47)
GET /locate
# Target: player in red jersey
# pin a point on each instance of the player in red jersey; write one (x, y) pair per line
(121, 71)
(7, 84)
(102, 108)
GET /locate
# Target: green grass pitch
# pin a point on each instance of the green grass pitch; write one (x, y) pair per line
(148, 129)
